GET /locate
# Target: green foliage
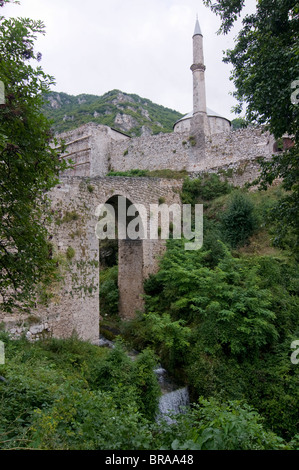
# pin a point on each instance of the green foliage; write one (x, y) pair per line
(109, 291)
(29, 166)
(89, 420)
(128, 173)
(192, 140)
(229, 11)
(239, 123)
(211, 425)
(242, 315)
(166, 173)
(224, 322)
(221, 301)
(207, 187)
(67, 394)
(286, 211)
(264, 369)
(146, 383)
(239, 220)
(70, 216)
(33, 375)
(169, 338)
(266, 44)
(108, 253)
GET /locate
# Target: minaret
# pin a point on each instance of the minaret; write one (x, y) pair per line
(200, 121)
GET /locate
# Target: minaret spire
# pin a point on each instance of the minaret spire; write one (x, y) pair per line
(197, 29)
(198, 69)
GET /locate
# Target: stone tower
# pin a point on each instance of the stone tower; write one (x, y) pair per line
(200, 124)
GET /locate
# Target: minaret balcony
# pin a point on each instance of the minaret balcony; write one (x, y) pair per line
(200, 67)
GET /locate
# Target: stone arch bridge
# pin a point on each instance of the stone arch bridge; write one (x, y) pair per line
(75, 301)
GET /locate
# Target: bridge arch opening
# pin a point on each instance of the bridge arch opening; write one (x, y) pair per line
(121, 263)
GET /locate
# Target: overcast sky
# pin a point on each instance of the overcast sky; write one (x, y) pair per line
(137, 46)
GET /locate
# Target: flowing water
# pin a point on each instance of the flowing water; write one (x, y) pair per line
(173, 400)
(105, 342)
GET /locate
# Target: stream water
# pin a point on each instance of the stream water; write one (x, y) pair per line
(173, 399)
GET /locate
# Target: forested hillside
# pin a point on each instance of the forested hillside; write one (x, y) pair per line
(128, 113)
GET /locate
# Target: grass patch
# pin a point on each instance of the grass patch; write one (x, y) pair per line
(70, 253)
(166, 173)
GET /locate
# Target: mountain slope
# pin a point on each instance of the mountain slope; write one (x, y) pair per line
(128, 113)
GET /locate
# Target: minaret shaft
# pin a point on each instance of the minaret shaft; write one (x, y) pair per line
(200, 119)
(198, 70)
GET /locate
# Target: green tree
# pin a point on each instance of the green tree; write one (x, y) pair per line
(226, 306)
(265, 68)
(29, 166)
(204, 188)
(239, 123)
(239, 220)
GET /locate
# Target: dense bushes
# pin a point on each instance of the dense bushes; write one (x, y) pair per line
(220, 301)
(241, 317)
(169, 338)
(210, 425)
(239, 220)
(205, 188)
(66, 394)
(63, 395)
(72, 395)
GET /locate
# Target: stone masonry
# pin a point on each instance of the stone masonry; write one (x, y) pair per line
(96, 149)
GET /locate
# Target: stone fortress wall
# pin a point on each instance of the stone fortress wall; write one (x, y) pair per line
(95, 150)
(177, 151)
